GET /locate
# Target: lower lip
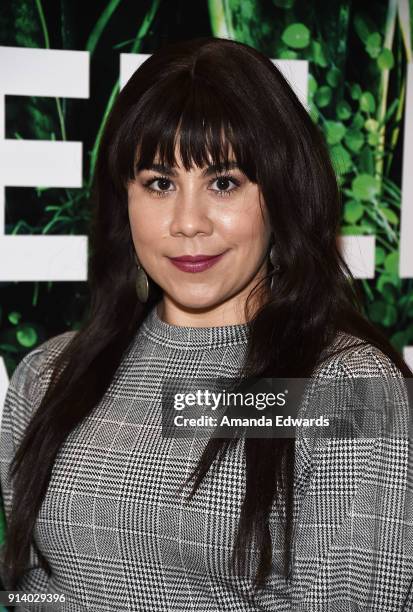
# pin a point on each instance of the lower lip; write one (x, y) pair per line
(198, 266)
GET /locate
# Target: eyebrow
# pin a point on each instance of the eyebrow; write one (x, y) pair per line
(169, 171)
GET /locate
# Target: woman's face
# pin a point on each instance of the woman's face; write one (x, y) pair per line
(175, 213)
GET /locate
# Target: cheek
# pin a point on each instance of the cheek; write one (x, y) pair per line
(146, 226)
(247, 228)
(136, 221)
(136, 229)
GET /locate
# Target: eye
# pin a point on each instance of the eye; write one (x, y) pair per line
(223, 181)
(163, 181)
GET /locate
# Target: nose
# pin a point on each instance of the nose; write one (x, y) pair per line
(190, 215)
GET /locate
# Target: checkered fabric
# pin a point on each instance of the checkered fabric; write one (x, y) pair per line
(118, 535)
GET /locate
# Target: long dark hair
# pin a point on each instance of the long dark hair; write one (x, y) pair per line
(209, 93)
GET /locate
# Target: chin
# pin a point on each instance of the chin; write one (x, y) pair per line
(196, 302)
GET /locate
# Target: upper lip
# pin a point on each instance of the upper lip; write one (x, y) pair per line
(194, 258)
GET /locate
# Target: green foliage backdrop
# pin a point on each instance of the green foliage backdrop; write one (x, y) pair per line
(357, 53)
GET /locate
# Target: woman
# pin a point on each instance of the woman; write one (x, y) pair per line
(207, 152)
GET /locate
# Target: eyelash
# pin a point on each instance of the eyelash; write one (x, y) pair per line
(220, 192)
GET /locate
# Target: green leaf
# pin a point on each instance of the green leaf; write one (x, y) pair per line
(373, 139)
(333, 77)
(386, 278)
(312, 84)
(391, 263)
(390, 215)
(288, 54)
(341, 159)
(353, 211)
(296, 35)
(247, 10)
(389, 293)
(370, 228)
(52, 207)
(383, 313)
(314, 114)
(367, 102)
(340, 179)
(354, 139)
(400, 339)
(373, 45)
(365, 187)
(355, 91)
(335, 131)
(26, 336)
(361, 27)
(343, 110)
(385, 61)
(14, 317)
(380, 255)
(9, 348)
(371, 125)
(322, 96)
(358, 121)
(352, 230)
(366, 161)
(318, 56)
(391, 188)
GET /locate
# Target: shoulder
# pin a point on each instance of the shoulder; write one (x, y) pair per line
(357, 369)
(37, 362)
(352, 369)
(351, 356)
(29, 381)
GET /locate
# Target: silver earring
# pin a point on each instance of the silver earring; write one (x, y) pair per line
(273, 258)
(141, 283)
(276, 266)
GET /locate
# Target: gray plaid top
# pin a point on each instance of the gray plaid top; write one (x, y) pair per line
(118, 536)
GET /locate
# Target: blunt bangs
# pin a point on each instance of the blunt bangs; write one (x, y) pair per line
(209, 124)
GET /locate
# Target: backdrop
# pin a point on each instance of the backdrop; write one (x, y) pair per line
(62, 64)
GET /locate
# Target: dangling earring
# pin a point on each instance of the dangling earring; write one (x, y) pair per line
(141, 283)
(276, 266)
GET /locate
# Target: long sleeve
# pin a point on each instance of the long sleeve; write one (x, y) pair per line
(23, 395)
(354, 546)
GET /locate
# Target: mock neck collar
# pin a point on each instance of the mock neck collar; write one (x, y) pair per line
(185, 337)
